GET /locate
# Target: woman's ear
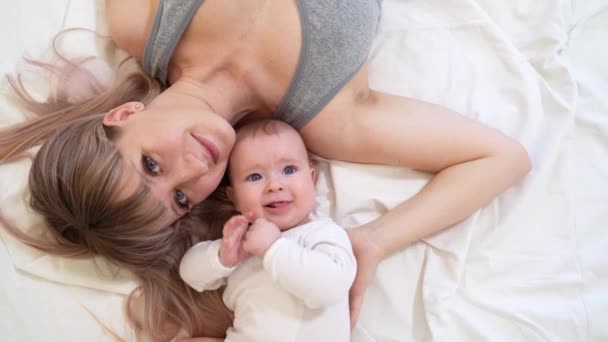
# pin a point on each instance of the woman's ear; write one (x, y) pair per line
(313, 173)
(118, 116)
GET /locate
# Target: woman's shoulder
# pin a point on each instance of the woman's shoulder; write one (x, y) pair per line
(130, 22)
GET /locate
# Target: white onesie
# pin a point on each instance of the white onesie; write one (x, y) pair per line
(297, 292)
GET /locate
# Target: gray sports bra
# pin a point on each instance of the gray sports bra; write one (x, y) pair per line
(336, 38)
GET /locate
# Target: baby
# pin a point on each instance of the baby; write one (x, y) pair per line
(287, 277)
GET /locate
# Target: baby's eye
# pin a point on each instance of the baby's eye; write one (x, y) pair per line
(181, 199)
(150, 165)
(254, 177)
(289, 169)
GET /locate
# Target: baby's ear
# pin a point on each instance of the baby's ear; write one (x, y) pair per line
(313, 173)
(312, 163)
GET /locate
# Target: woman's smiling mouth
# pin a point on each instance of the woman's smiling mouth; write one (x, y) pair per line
(209, 147)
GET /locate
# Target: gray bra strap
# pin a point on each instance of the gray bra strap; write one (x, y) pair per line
(170, 22)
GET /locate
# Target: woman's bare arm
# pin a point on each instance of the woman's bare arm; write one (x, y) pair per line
(472, 165)
(129, 22)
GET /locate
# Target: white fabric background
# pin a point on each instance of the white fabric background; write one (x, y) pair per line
(531, 266)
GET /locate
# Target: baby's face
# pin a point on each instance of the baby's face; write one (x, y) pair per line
(271, 176)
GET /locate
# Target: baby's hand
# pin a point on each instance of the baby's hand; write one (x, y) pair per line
(260, 236)
(231, 249)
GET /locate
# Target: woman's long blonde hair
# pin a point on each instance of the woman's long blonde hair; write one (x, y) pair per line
(74, 183)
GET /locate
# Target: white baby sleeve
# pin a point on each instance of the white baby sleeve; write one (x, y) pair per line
(319, 269)
(201, 267)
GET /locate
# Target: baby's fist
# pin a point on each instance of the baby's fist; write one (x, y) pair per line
(260, 236)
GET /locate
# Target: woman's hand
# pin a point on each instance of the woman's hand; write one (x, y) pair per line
(231, 249)
(368, 256)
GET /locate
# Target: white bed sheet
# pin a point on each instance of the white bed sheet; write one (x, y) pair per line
(531, 266)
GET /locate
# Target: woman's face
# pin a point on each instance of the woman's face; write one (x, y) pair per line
(180, 153)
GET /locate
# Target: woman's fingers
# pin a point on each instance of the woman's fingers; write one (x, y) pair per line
(368, 256)
(357, 293)
(356, 301)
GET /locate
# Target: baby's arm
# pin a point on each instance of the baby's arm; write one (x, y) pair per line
(206, 265)
(320, 271)
(201, 267)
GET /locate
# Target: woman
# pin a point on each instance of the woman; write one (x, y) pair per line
(139, 162)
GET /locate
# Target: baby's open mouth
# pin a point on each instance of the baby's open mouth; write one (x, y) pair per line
(277, 204)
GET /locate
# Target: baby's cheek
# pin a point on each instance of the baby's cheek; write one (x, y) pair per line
(250, 204)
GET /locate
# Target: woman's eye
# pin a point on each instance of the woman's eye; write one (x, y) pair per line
(254, 177)
(290, 169)
(181, 199)
(151, 165)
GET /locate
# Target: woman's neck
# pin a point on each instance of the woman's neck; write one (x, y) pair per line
(217, 58)
(220, 94)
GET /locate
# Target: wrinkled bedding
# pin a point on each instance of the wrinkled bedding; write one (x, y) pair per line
(530, 266)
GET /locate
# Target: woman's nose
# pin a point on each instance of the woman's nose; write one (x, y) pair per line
(192, 169)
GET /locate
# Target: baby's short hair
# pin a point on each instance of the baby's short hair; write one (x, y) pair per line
(266, 126)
